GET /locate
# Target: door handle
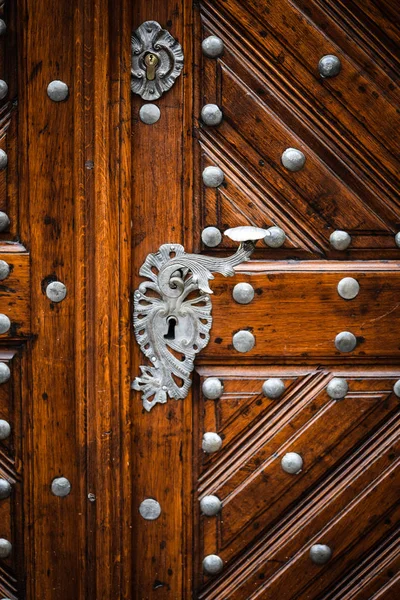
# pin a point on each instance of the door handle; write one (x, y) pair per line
(172, 313)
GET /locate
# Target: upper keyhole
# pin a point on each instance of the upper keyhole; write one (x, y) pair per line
(172, 323)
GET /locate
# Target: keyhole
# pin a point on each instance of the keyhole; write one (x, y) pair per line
(151, 62)
(172, 323)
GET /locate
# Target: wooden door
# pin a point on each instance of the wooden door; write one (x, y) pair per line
(305, 430)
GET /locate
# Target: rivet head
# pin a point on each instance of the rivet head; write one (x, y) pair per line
(243, 293)
(243, 341)
(275, 237)
(5, 548)
(320, 554)
(150, 509)
(57, 91)
(4, 221)
(211, 236)
(212, 46)
(397, 239)
(212, 388)
(5, 429)
(3, 89)
(329, 66)
(348, 288)
(210, 505)
(211, 443)
(61, 487)
(3, 27)
(273, 388)
(3, 160)
(293, 159)
(5, 489)
(4, 270)
(149, 113)
(5, 372)
(56, 291)
(340, 240)
(5, 324)
(337, 388)
(211, 114)
(292, 463)
(213, 176)
(396, 388)
(345, 341)
(213, 564)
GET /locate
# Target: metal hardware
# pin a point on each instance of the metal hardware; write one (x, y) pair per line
(243, 293)
(5, 324)
(243, 341)
(5, 489)
(292, 463)
(150, 509)
(57, 90)
(5, 548)
(396, 388)
(213, 176)
(329, 66)
(211, 237)
(4, 221)
(348, 288)
(5, 372)
(56, 291)
(157, 60)
(3, 89)
(3, 160)
(5, 429)
(211, 114)
(149, 114)
(3, 27)
(4, 270)
(293, 159)
(340, 240)
(320, 554)
(397, 239)
(213, 564)
(171, 320)
(212, 46)
(210, 505)
(337, 388)
(345, 341)
(275, 237)
(211, 443)
(212, 388)
(273, 388)
(61, 487)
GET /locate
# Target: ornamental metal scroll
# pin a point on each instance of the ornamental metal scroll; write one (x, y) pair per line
(172, 313)
(157, 60)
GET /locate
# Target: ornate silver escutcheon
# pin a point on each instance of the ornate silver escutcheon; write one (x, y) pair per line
(157, 60)
(172, 313)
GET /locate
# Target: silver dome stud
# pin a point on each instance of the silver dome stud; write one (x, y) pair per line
(397, 239)
(5, 324)
(4, 221)
(150, 509)
(211, 236)
(210, 505)
(213, 564)
(275, 237)
(320, 554)
(348, 288)
(5, 429)
(56, 291)
(57, 90)
(293, 159)
(243, 341)
(243, 293)
(212, 442)
(211, 114)
(329, 66)
(213, 176)
(3, 89)
(5, 489)
(396, 388)
(340, 240)
(5, 372)
(337, 388)
(61, 487)
(345, 341)
(149, 114)
(212, 46)
(292, 463)
(273, 388)
(5, 548)
(212, 388)
(3, 27)
(4, 270)
(3, 160)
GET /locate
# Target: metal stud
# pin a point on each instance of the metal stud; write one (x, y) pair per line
(329, 66)
(396, 388)
(320, 554)
(340, 240)
(275, 237)
(213, 564)
(4, 270)
(397, 239)
(212, 442)
(211, 236)
(292, 463)
(5, 372)
(293, 159)
(3, 89)
(57, 90)
(211, 114)
(348, 288)
(345, 341)
(212, 46)
(4, 221)
(210, 505)
(3, 160)
(273, 388)
(5, 429)
(243, 293)
(212, 388)
(61, 487)
(5, 548)
(337, 388)
(149, 114)
(56, 291)
(243, 341)
(5, 489)
(5, 324)
(150, 509)
(213, 176)
(3, 27)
